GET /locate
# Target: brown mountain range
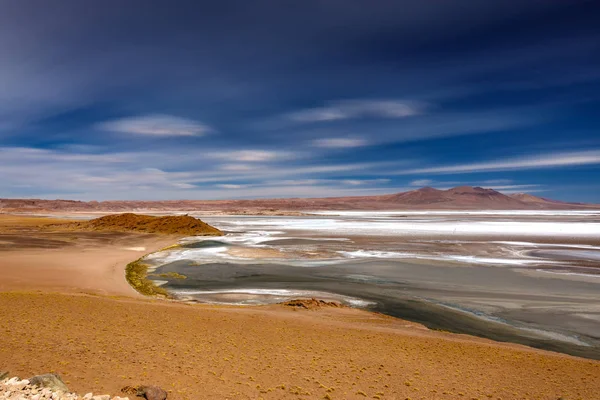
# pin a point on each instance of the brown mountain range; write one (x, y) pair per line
(458, 198)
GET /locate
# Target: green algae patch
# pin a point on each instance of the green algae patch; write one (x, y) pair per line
(170, 275)
(136, 274)
(171, 247)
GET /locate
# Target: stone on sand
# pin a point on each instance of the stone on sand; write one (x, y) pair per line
(152, 393)
(50, 381)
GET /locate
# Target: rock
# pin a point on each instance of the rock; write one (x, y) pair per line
(88, 396)
(311, 304)
(50, 381)
(103, 397)
(129, 390)
(3, 375)
(151, 393)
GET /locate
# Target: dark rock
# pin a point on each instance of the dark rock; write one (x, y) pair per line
(3, 375)
(50, 381)
(151, 393)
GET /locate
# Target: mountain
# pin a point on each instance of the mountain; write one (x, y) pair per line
(458, 198)
(528, 198)
(461, 197)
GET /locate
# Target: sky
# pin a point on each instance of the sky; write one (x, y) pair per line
(116, 99)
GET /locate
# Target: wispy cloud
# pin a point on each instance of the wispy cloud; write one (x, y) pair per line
(349, 109)
(156, 125)
(34, 155)
(252, 155)
(497, 181)
(31, 172)
(357, 182)
(237, 167)
(230, 186)
(421, 182)
(339, 143)
(551, 160)
(515, 187)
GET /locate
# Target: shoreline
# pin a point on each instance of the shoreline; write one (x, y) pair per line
(418, 309)
(97, 270)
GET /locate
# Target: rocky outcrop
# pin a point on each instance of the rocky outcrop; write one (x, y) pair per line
(311, 304)
(17, 389)
(50, 381)
(51, 387)
(151, 393)
(147, 392)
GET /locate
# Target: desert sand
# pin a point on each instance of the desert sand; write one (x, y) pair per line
(33, 256)
(65, 307)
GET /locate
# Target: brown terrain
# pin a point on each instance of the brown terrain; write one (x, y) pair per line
(65, 307)
(129, 222)
(463, 197)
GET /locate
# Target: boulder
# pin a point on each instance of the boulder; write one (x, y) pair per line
(50, 381)
(151, 393)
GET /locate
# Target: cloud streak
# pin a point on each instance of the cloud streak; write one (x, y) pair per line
(251, 156)
(339, 143)
(156, 125)
(358, 108)
(552, 160)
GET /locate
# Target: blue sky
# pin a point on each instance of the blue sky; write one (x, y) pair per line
(244, 99)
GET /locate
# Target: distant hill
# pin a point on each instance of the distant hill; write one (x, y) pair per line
(462, 197)
(128, 222)
(528, 198)
(458, 198)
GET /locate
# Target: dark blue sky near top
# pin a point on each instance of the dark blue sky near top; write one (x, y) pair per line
(246, 99)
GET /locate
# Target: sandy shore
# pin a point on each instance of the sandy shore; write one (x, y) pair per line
(101, 343)
(198, 352)
(34, 257)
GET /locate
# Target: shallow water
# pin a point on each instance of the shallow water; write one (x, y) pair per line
(503, 276)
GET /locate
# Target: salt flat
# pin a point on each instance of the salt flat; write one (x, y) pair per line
(506, 275)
